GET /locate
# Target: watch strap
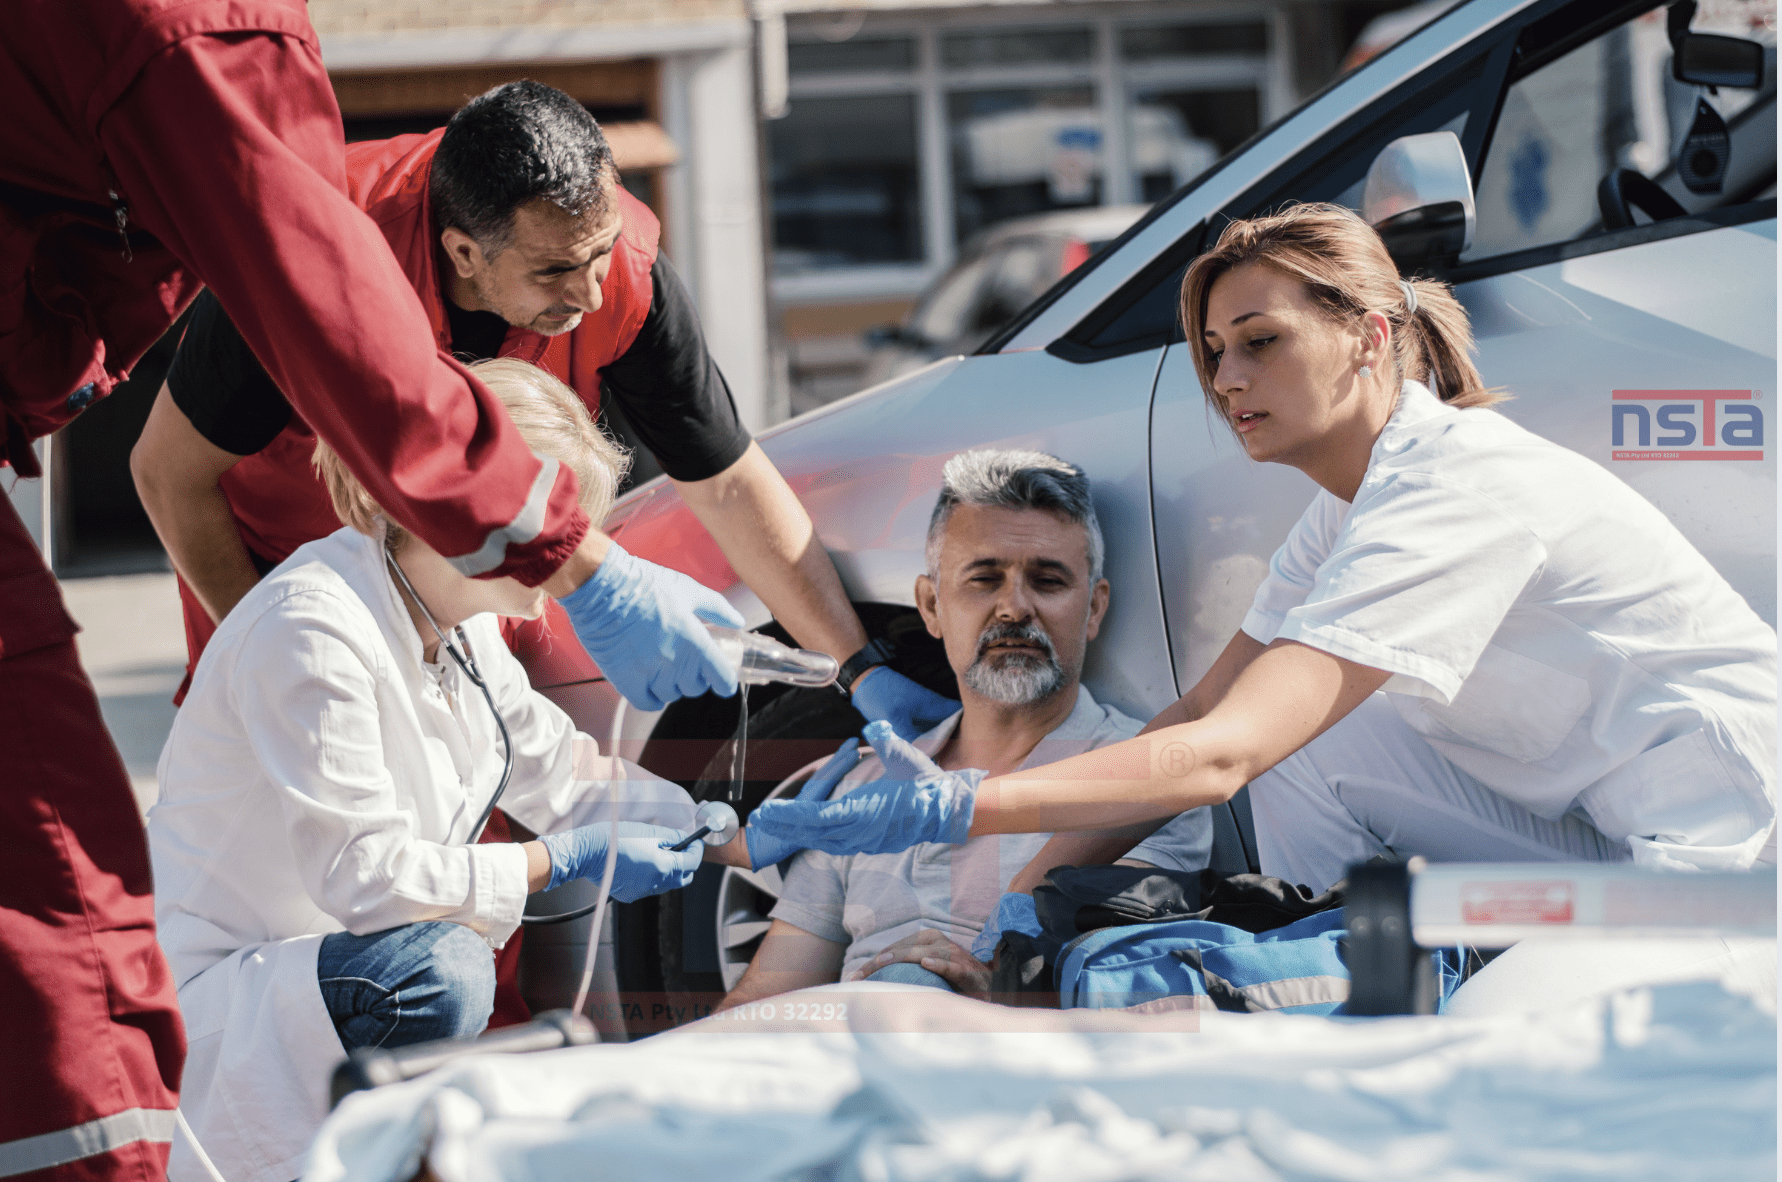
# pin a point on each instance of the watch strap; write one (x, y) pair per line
(876, 652)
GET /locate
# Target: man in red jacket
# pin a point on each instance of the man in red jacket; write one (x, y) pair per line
(150, 147)
(473, 213)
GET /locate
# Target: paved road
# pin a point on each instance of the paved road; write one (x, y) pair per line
(134, 648)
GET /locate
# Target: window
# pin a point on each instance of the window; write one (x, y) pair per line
(1007, 47)
(907, 134)
(1610, 103)
(1204, 40)
(845, 187)
(1025, 268)
(1195, 93)
(1023, 151)
(1178, 134)
(855, 55)
(943, 315)
(985, 290)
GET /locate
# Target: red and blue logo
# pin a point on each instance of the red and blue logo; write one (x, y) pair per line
(1686, 425)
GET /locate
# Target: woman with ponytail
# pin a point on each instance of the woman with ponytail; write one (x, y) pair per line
(1475, 645)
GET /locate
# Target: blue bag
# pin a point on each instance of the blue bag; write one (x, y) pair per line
(1297, 969)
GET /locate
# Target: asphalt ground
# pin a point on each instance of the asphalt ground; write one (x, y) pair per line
(133, 646)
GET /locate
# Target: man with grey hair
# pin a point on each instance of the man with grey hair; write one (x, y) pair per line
(1014, 589)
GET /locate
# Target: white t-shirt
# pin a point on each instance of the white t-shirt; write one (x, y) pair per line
(871, 901)
(1547, 629)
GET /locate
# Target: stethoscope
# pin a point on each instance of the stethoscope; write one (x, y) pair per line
(466, 661)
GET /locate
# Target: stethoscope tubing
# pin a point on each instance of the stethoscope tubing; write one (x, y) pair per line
(466, 661)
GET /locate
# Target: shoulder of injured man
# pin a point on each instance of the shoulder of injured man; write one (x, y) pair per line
(1090, 725)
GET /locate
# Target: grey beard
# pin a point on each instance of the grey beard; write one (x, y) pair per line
(1015, 679)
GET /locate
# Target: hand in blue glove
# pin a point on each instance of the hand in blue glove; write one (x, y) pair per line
(645, 865)
(768, 851)
(1014, 913)
(885, 695)
(914, 802)
(642, 624)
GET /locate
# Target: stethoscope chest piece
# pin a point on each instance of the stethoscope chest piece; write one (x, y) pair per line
(719, 819)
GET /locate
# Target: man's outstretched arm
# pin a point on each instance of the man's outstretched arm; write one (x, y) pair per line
(789, 958)
(770, 542)
(177, 473)
(228, 150)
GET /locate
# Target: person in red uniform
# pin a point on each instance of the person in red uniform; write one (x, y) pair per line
(224, 467)
(470, 211)
(151, 147)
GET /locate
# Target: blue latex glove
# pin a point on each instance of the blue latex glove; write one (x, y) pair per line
(765, 850)
(642, 625)
(1014, 913)
(885, 695)
(645, 865)
(914, 802)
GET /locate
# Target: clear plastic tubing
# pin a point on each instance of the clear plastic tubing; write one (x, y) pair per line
(761, 659)
(739, 744)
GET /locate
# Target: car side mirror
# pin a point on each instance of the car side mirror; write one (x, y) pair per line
(1708, 59)
(1419, 197)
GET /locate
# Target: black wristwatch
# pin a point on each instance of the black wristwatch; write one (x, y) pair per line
(876, 652)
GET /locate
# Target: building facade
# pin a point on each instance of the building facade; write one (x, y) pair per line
(906, 129)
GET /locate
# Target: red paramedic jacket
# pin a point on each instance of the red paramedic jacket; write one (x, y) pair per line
(278, 502)
(155, 114)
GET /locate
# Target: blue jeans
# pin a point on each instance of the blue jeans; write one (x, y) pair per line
(406, 985)
(902, 972)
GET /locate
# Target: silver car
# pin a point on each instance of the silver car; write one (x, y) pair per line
(1649, 348)
(999, 273)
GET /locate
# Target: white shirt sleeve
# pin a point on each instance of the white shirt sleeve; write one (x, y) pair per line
(1294, 567)
(561, 779)
(309, 688)
(1417, 581)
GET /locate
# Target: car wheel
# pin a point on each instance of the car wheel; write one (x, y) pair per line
(678, 953)
(708, 933)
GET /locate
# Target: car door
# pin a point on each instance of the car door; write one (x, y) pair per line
(1650, 349)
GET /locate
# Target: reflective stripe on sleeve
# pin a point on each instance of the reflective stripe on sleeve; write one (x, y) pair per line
(85, 1140)
(525, 526)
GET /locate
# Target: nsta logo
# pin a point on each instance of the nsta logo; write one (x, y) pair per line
(1686, 425)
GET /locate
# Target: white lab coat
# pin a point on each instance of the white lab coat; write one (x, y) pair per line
(1547, 630)
(319, 778)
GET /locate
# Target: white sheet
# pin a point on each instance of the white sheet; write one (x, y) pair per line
(1659, 1082)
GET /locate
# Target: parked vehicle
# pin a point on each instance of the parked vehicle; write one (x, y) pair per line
(1628, 345)
(999, 273)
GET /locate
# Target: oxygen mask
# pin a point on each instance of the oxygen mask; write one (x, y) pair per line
(760, 659)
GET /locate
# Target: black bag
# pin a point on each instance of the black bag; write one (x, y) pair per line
(1078, 899)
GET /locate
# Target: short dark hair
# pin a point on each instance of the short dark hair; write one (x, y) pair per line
(520, 142)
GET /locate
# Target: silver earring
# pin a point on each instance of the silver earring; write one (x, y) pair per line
(1366, 371)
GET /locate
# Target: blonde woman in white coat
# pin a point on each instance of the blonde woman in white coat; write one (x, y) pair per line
(316, 886)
